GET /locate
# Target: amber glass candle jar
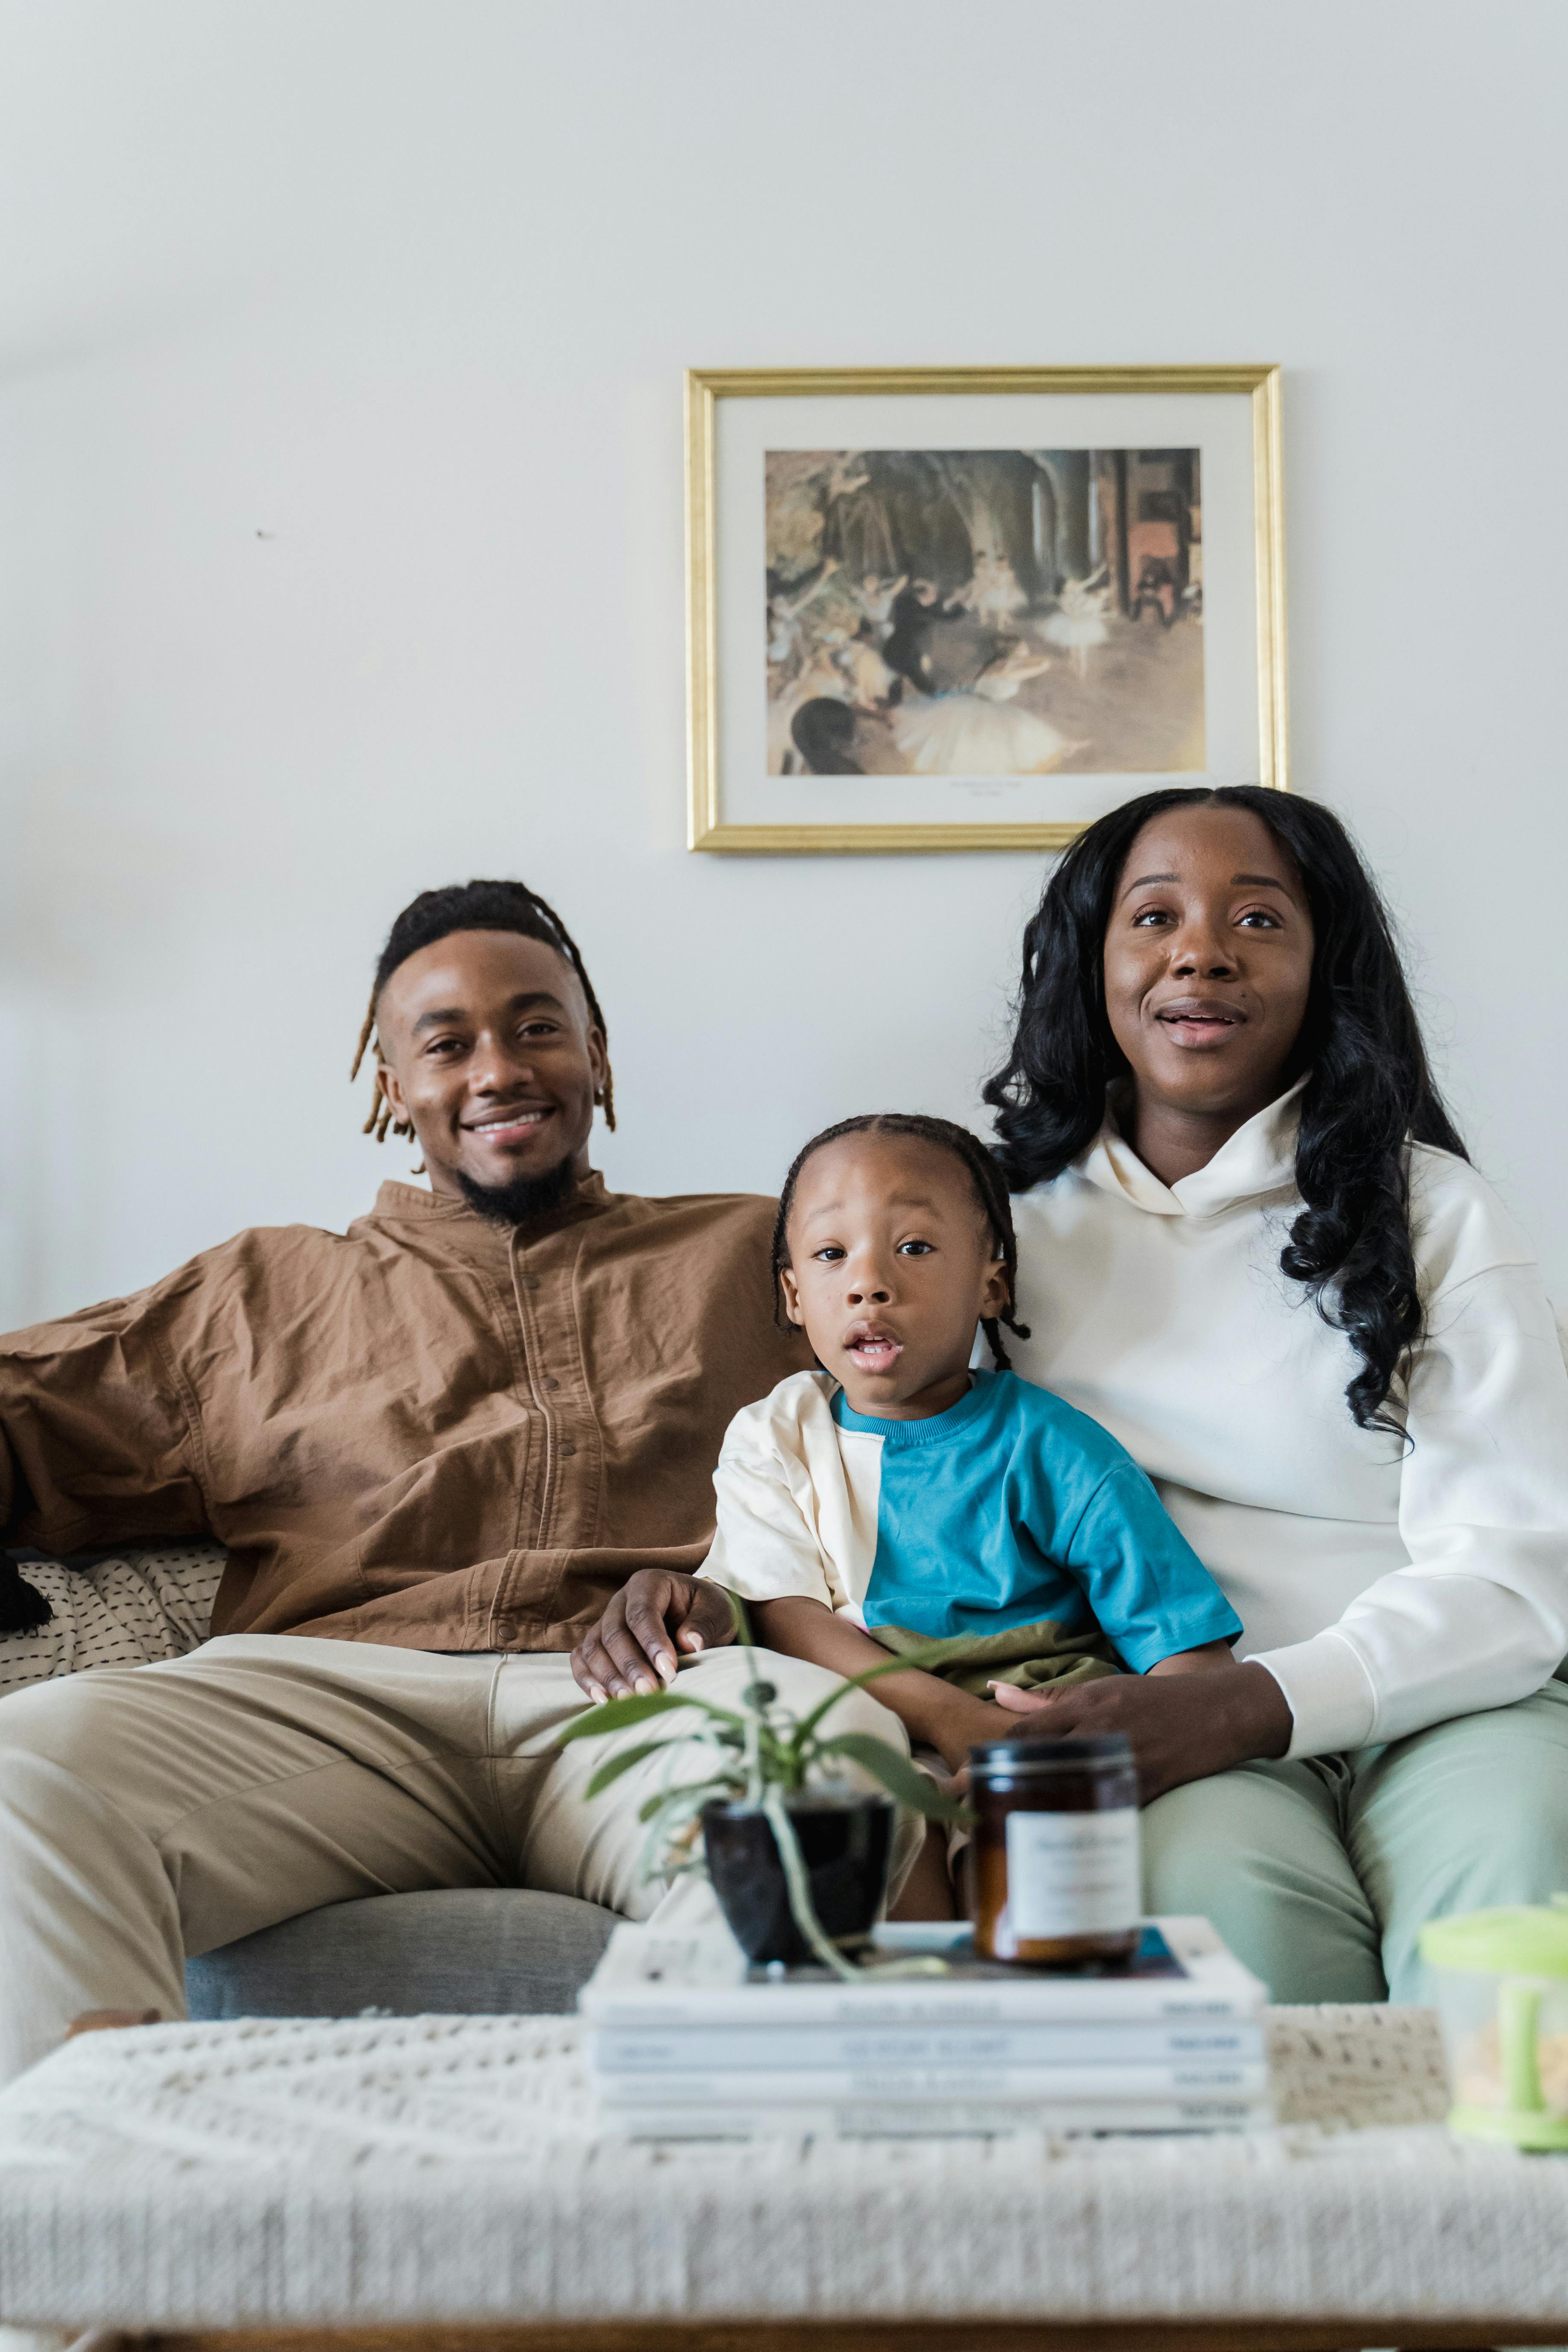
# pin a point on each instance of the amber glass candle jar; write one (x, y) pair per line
(1057, 1877)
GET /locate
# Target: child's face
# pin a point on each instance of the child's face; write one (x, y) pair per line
(890, 1269)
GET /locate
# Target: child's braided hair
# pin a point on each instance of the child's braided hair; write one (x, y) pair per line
(468, 907)
(990, 1192)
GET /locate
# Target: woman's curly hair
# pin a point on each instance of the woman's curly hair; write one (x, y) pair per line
(1369, 1092)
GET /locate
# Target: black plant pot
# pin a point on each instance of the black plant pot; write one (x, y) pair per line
(845, 1843)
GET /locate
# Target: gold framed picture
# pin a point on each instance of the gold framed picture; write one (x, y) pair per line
(973, 608)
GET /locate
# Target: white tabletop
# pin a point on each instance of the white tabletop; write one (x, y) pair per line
(429, 2168)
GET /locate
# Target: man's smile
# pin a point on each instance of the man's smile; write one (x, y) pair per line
(512, 1125)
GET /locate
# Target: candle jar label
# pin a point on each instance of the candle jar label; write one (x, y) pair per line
(1073, 1874)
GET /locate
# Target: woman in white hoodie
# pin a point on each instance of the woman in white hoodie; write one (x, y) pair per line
(1252, 1246)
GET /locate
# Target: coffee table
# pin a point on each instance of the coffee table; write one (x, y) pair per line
(441, 2182)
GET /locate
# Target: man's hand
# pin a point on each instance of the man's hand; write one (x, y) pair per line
(1181, 1726)
(633, 1647)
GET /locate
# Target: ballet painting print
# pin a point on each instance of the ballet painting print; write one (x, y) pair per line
(951, 608)
(985, 613)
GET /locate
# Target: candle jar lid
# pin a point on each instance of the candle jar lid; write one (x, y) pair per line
(1015, 1756)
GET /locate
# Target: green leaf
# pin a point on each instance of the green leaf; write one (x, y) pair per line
(614, 1766)
(665, 1798)
(926, 1656)
(797, 1879)
(900, 1779)
(621, 1714)
(740, 1624)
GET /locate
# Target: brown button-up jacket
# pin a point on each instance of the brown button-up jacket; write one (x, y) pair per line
(430, 1431)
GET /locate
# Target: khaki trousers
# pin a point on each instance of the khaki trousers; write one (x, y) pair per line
(148, 1812)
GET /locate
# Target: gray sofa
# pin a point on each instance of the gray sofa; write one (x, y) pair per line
(474, 1950)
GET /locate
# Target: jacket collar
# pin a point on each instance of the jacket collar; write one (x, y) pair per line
(1258, 1159)
(437, 1217)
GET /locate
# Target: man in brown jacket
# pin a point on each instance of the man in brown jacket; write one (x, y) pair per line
(443, 1451)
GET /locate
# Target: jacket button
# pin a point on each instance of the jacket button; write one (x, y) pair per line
(568, 1449)
(549, 1381)
(528, 1281)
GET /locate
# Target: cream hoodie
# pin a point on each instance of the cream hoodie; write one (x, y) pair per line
(1384, 1588)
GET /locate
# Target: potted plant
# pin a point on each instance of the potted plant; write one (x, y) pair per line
(797, 1857)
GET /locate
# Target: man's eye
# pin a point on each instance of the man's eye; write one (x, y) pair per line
(540, 1029)
(447, 1045)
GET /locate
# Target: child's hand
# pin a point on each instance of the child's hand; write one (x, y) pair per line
(965, 1725)
(1201, 1661)
(1031, 1699)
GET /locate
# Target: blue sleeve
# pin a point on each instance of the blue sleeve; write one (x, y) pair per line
(1144, 1582)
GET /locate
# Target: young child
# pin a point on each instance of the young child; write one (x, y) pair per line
(898, 1495)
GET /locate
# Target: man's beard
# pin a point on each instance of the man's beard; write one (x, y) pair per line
(524, 1199)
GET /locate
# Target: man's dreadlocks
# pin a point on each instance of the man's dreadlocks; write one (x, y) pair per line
(468, 907)
(990, 1194)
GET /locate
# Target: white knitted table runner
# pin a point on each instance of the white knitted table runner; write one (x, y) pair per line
(449, 2168)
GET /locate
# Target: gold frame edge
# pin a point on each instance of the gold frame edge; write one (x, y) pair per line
(704, 386)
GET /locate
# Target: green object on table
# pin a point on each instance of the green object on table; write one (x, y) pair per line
(1525, 1947)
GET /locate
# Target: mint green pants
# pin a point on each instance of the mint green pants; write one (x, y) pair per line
(1319, 1875)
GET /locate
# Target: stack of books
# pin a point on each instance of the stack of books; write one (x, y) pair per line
(684, 2041)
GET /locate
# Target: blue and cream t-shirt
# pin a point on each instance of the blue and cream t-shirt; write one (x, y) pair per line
(1009, 1510)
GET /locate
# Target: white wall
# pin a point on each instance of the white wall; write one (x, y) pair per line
(340, 515)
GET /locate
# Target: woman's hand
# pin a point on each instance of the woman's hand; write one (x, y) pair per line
(1181, 1726)
(633, 1647)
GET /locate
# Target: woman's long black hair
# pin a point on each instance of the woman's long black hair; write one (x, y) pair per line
(1368, 1093)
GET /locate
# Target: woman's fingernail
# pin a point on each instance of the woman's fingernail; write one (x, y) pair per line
(694, 1643)
(645, 1685)
(666, 1665)
(600, 1698)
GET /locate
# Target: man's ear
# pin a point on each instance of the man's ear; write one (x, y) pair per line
(392, 1089)
(791, 1295)
(598, 1056)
